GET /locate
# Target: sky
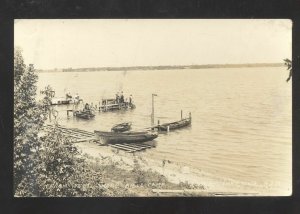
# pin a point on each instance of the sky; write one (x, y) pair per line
(65, 43)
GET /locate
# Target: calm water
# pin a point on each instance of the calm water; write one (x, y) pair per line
(241, 118)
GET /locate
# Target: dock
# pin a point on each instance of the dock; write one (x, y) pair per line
(79, 135)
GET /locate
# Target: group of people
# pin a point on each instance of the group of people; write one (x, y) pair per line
(120, 98)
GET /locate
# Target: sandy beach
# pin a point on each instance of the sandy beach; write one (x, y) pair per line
(203, 184)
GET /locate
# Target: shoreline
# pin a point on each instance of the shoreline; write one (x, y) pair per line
(199, 183)
(164, 67)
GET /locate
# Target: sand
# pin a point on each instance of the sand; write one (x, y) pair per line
(174, 172)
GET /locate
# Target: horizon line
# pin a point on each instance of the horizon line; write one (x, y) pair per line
(150, 67)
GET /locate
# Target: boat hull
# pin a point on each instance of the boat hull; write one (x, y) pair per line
(84, 115)
(127, 137)
(175, 125)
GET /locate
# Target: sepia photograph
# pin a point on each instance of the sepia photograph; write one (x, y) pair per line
(152, 107)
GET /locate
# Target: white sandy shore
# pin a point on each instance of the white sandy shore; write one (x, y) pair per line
(174, 172)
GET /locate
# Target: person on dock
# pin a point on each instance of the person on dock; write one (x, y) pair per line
(122, 97)
(117, 97)
(130, 99)
(68, 95)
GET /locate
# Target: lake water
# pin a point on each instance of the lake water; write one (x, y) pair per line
(241, 118)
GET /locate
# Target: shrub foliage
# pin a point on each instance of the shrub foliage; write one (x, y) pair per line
(45, 163)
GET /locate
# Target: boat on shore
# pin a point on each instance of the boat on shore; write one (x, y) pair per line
(125, 137)
(122, 127)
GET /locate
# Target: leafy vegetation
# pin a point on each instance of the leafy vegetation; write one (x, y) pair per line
(48, 164)
(288, 63)
(28, 118)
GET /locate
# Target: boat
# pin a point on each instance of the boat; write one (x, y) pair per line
(122, 127)
(125, 137)
(84, 114)
(174, 125)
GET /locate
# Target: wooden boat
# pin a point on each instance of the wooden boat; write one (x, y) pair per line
(125, 137)
(175, 125)
(122, 127)
(84, 114)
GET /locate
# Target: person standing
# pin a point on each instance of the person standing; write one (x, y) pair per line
(122, 97)
(117, 97)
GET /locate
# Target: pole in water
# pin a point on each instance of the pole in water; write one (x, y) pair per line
(152, 115)
(181, 114)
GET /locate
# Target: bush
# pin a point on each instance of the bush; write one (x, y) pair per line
(46, 165)
(60, 171)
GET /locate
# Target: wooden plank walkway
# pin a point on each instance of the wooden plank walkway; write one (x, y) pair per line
(77, 134)
(132, 147)
(81, 136)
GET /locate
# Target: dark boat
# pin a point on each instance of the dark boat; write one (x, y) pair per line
(125, 137)
(122, 127)
(84, 114)
(175, 125)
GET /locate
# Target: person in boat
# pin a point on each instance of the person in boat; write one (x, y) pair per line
(86, 107)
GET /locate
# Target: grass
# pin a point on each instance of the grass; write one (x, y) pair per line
(135, 182)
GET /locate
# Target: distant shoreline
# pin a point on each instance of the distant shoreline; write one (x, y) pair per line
(164, 67)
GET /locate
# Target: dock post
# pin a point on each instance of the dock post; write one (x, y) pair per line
(158, 122)
(152, 114)
(181, 114)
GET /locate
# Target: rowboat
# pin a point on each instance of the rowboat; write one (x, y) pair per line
(122, 127)
(84, 114)
(175, 125)
(125, 137)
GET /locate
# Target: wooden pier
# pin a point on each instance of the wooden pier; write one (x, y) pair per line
(79, 135)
